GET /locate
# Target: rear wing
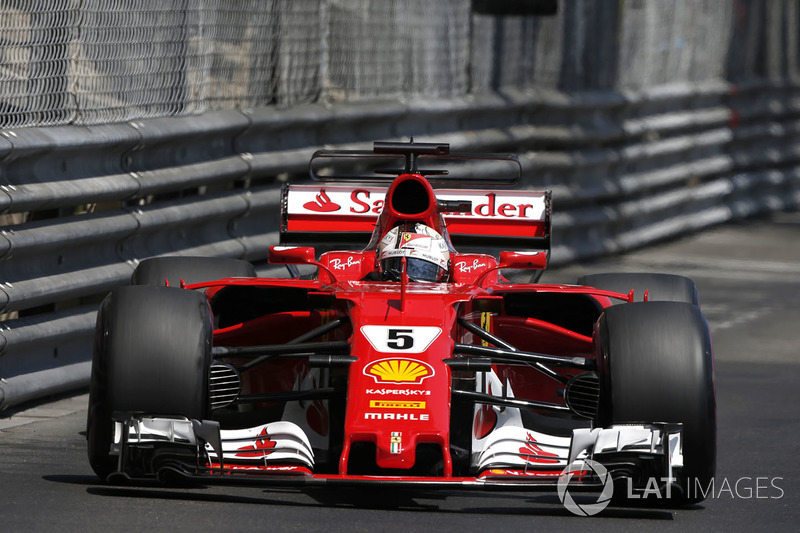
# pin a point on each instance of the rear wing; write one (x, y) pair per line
(345, 215)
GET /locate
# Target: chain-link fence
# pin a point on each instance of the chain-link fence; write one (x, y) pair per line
(106, 61)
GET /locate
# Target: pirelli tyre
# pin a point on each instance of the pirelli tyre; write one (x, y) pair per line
(151, 355)
(156, 270)
(656, 365)
(659, 287)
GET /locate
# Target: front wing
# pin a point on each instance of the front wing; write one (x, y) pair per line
(279, 453)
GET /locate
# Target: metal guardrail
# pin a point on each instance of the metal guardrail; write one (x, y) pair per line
(625, 170)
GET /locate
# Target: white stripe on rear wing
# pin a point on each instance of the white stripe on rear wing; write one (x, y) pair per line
(347, 215)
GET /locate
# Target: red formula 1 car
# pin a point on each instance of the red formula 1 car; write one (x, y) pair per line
(408, 359)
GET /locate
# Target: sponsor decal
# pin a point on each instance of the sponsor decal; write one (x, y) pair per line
(364, 201)
(259, 448)
(486, 205)
(486, 323)
(438, 259)
(398, 392)
(421, 417)
(339, 264)
(396, 442)
(494, 208)
(322, 204)
(369, 201)
(465, 267)
(415, 241)
(392, 404)
(403, 371)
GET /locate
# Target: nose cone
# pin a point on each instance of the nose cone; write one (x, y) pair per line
(399, 387)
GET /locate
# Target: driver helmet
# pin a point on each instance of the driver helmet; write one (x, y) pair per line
(426, 253)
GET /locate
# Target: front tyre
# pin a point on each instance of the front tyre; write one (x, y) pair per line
(659, 287)
(656, 365)
(152, 353)
(174, 269)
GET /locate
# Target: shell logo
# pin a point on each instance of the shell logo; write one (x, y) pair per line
(396, 370)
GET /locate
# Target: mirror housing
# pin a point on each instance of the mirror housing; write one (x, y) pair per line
(523, 260)
(291, 255)
(518, 260)
(297, 255)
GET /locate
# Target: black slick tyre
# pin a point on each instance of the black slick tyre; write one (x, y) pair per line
(659, 287)
(151, 355)
(656, 365)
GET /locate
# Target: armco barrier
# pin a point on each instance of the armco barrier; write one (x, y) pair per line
(625, 170)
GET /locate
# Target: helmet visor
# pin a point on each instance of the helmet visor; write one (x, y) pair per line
(417, 269)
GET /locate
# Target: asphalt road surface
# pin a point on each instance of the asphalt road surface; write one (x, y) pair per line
(748, 275)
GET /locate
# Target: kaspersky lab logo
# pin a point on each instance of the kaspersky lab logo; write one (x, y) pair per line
(580, 470)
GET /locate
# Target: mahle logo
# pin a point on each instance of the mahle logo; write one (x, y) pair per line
(583, 469)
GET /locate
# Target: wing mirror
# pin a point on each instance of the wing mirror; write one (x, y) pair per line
(527, 260)
(291, 255)
(297, 255)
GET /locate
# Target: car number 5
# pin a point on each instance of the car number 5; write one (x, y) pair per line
(400, 339)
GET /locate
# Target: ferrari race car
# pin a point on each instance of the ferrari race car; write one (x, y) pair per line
(410, 358)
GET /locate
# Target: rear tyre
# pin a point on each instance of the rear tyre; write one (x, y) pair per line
(659, 287)
(656, 365)
(156, 270)
(152, 353)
